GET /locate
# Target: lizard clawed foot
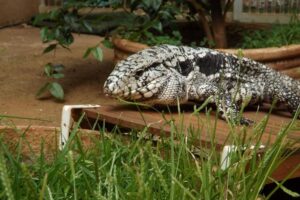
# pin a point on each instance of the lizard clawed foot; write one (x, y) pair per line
(246, 122)
(242, 121)
(239, 121)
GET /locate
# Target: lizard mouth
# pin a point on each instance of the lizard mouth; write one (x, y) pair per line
(139, 94)
(126, 94)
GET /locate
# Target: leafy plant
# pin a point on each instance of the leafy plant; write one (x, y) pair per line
(153, 23)
(278, 35)
(59, 34)
(53, 72)
(96, 51)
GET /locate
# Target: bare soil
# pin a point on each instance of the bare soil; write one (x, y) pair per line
(21, 75)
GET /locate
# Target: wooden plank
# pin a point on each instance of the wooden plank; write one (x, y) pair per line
(158, 123)
(286, 167)
(202, 124)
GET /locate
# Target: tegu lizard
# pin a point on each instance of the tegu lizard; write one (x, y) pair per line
(167, 74)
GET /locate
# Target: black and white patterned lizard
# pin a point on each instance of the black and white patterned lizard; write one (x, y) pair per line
(169, 74)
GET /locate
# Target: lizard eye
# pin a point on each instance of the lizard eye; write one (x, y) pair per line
(138, 74)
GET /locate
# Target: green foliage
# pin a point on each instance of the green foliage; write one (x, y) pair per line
(286, 190)
(133, 167)
(59, 34)
(278, 35)
(107, 43)
(153, 23)
(5, 179)
(207, 43)
(151, 39)
(53, 72)
(96, 52)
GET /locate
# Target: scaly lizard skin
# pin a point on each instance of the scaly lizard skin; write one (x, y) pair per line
(169, 74)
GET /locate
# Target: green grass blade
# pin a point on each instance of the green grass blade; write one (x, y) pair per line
(4, 176)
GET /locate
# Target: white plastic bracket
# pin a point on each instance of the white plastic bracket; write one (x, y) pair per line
(227, 150)
(66, 121)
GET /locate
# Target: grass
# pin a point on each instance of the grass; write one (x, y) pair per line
(132, 167)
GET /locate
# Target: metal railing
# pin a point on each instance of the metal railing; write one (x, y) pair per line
(265, 11)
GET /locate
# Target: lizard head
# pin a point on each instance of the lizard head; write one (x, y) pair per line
(148, 76)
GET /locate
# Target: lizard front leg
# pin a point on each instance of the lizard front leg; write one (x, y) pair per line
(229, 109)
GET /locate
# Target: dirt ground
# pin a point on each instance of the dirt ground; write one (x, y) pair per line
(21, 75)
